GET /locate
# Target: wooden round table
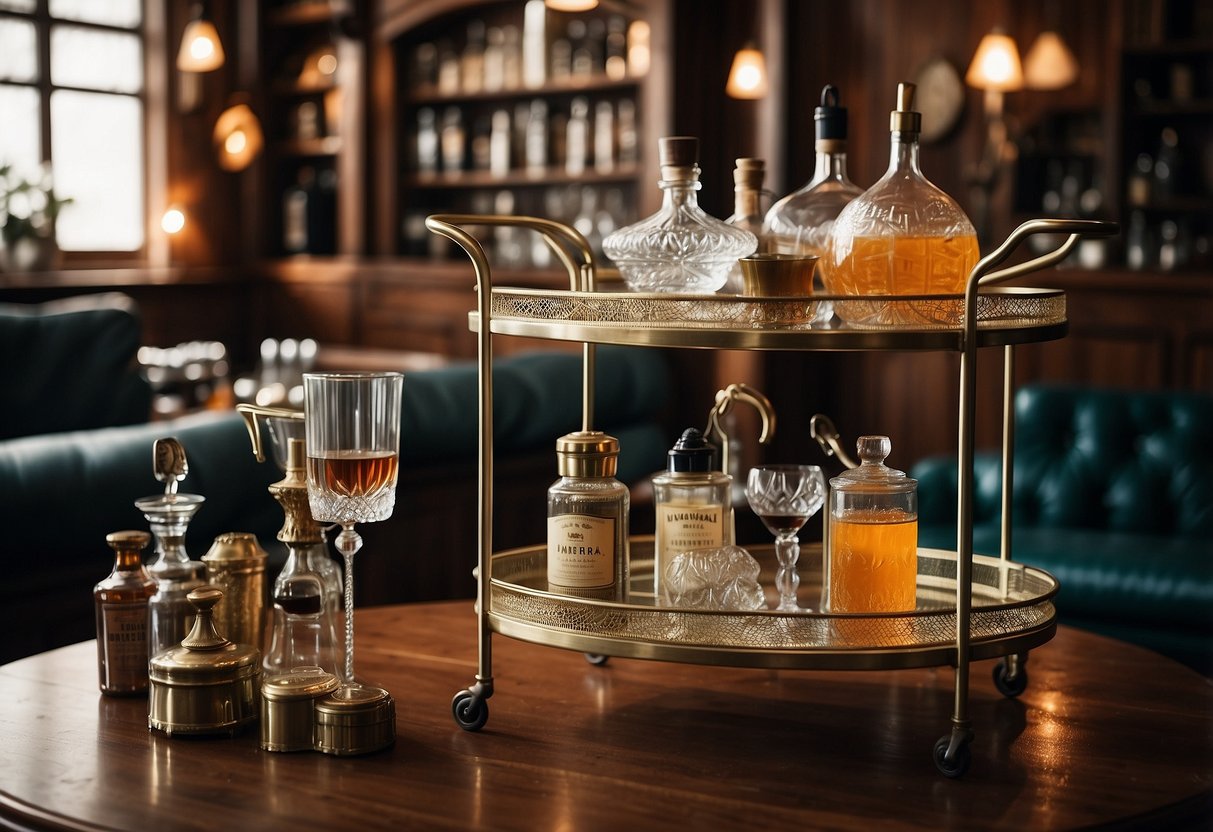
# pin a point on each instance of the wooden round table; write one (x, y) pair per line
(1106, 733)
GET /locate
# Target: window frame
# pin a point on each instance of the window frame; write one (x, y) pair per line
(150, 97)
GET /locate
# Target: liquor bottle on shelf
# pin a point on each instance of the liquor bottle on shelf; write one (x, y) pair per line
(425, 66)
(537, 137)
(680, 248)
(448, 69)
(604, 137)
(803, 221)
(511, 58)
(427, 142)
(902, 236)
(629, 145)
(481, 138)
(747, 194)
(471, 63)
(587, 540)
(561, 63)
(499, 143)
(578, 132)
(452, 139)
(534, 44)
(122, 618)
(494, 59)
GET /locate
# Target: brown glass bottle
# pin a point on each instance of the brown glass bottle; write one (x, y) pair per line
(121, 602)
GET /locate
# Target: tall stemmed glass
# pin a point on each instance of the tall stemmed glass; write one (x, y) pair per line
(353, 444)
(784, 497)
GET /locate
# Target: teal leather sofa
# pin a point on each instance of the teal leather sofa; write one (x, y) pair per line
(75, 452)
(1113, 495)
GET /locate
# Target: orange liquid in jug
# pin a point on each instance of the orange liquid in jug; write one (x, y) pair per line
(903, 266)
(873, 562)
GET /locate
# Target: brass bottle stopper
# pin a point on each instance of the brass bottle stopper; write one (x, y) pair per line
(904, 119)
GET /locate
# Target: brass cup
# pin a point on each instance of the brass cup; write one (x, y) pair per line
(778, 275)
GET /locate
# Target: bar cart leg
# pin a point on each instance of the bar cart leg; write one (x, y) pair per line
(1011, 675)
(952, 752)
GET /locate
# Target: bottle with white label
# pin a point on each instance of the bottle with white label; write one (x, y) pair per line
(588, 519)
(692, 503)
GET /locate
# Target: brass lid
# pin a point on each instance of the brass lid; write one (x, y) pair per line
(589, 453)
(205, 656)
(904, 119)
(299, 683)
(233, 548)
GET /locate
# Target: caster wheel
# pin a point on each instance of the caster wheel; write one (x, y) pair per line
(1007, 686)
(952, 768)
(596, 659)
(470, 712)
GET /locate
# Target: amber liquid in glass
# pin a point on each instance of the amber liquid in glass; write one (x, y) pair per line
(359, 486)
(904, 266)
(873, 562)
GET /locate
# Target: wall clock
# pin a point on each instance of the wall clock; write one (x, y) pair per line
(940, 98)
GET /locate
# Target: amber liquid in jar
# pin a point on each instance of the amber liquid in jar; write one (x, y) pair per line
(903, 266)
(873, 562)
(358, 485)
(121, 602)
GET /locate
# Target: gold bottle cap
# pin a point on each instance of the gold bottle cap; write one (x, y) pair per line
(232, 548)
(587, 454)
(904, 119)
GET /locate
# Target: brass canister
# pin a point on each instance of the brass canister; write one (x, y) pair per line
(355, 719)
(208, 684)
(288, 708)
(236, 564)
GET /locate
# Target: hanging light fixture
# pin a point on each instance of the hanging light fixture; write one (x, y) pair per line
(237, 136)
(200, 50)
(1049, 64)
(571, 5)
(995, 64)
(748, 77)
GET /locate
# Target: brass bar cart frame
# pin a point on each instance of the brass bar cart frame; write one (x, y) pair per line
(583, 314)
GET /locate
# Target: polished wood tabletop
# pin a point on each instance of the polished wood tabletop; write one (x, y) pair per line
(1106, 733)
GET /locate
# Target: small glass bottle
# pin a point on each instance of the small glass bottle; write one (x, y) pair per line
(747, 193)
(121, 605)
(902, 236)
(693, 503)
(803, 221)
(872, 545)
(303, 634)
(588, 519)
(170, 614)
(680, 248)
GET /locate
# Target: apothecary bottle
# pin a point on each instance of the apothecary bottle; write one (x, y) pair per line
(121, 607)
(680, 248)
(803, 221)
(587, 542)
(692, 503)
(902, 236)
(171, 615)
(302, 634)
(872, 546)
(747, 212)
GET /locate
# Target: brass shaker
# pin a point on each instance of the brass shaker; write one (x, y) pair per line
(236, 564)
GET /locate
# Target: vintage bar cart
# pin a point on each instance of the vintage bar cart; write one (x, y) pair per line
(969, 607)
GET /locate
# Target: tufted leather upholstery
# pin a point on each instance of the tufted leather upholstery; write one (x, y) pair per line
(1113, 494)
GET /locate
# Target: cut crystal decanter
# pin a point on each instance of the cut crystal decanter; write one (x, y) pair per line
(680, 248)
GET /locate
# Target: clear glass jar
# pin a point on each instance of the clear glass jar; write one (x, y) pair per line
(803, 221)
(693, 503)
(903, 236)
(303, 635)
(680, 248)
(170, 614)
(872, 535)
(587, 545)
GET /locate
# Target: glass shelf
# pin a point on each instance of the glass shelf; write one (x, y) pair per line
(1012, 612)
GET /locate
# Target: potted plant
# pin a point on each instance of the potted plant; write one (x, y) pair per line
(28, 211)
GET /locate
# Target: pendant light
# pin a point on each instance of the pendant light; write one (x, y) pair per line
(200, 50)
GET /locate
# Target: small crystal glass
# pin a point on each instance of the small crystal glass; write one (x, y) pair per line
(784, 497)
(353, 444)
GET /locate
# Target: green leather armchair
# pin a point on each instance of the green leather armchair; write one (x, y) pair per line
(1113, 495)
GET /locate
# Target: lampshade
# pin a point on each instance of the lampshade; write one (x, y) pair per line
(200, 50)
(237, 137)
(571, 5)
(1049, 65)
(996, 65)
(748, 77)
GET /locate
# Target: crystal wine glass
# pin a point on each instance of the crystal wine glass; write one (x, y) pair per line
(784, 497)
(353, 444)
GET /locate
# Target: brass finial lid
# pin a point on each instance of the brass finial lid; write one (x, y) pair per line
(205, 656)
(589, 453)
(235, 547)
(904, 119)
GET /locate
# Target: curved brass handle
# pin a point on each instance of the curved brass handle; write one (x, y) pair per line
(724, 403)
(821, 428)
(250, 412)
(581, 275)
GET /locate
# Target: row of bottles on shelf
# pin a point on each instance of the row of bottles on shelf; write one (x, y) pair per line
(593, 210)
(505, 59)
(309, 212)
(536, 137)
(1160, 233)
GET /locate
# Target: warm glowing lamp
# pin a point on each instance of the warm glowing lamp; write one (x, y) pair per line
(200, 50)
(996, 69)
(173, 220)
(237, 137)
(1049, 64)
(571, 5)
(748, 77)
(996, 64)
